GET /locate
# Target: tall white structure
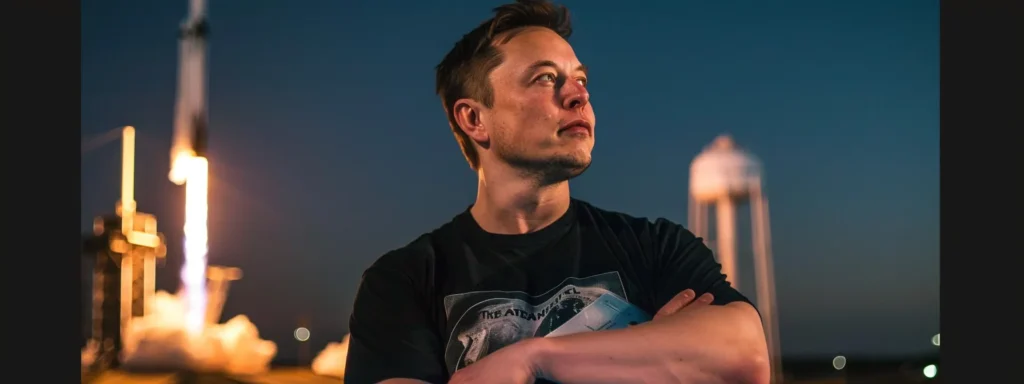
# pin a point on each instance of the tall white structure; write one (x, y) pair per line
(726, 177)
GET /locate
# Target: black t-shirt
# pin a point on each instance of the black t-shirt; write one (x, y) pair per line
(456, 294)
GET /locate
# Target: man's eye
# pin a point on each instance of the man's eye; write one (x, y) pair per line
(547, 77)
(582, 81)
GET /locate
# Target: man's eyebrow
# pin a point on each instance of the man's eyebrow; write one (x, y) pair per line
(548, 63)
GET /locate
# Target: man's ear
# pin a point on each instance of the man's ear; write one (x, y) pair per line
(470, 119)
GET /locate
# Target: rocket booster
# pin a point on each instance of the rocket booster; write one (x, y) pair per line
(190, 120)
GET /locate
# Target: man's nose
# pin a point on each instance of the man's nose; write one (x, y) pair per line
(576, 95)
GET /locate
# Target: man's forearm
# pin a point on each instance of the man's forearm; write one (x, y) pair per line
(711, 344)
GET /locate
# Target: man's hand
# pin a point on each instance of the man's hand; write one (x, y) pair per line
(682, 300)
(513, 364)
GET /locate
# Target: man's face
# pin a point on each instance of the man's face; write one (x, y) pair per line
(541, 121)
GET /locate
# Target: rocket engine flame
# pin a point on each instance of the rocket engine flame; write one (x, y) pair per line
(180, 166)
(193, 273)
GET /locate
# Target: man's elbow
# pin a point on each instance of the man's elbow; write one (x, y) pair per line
(743, 353)
(740, 362)
(752, 364)
(752, 367)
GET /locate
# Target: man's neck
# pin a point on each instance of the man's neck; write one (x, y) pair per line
(509, 204)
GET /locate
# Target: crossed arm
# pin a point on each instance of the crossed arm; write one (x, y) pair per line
(697, 344)
(689, 341)
(710, 344)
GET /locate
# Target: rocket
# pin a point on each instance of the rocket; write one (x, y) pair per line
(190, 120)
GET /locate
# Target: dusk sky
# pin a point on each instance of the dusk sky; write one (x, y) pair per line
(328, 146)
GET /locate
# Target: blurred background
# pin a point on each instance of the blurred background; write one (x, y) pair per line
(328, 147)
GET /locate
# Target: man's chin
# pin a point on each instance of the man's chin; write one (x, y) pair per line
(576, 166)
(562, 169)
(550, 169)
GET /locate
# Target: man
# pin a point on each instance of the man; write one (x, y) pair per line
(472, 301)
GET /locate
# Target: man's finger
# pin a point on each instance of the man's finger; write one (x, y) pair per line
(678, 302)
(684, 300)
(706, 298)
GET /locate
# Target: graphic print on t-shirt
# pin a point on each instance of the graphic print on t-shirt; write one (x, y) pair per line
(485, 321)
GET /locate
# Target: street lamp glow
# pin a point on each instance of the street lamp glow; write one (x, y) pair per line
(930, 371)
(301, 334)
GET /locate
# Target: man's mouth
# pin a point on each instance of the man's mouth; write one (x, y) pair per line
(577, 127)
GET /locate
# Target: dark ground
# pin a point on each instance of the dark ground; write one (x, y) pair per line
(797, 371)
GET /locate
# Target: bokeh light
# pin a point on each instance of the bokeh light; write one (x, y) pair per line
(839, 362)
(301, 334)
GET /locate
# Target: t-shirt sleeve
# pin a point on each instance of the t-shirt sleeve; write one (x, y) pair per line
(683, 261)
(390, 332)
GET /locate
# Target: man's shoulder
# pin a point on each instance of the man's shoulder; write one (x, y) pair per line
(618, 221)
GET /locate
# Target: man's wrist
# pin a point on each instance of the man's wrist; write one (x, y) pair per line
(539, 351)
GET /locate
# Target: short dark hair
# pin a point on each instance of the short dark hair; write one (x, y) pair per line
(463, 73)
